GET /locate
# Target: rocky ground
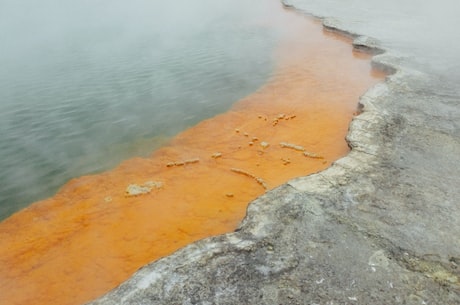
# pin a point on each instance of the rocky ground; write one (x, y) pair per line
(378, 227)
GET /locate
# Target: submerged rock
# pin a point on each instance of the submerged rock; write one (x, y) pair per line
(136, 190)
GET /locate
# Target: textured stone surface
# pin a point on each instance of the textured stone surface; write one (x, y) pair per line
(378, 227)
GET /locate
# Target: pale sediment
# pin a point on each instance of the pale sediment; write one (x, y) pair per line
(380, 226)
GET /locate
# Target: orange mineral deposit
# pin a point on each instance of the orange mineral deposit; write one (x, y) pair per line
(98, 230)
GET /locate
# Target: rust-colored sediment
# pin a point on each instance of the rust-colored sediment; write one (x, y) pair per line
(91, 236)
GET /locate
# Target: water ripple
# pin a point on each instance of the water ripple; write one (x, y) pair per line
(74, 87)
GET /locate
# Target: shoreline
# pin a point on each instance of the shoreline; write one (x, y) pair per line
(377, 227)
(112, 211)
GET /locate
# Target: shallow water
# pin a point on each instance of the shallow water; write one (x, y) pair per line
(86, 84)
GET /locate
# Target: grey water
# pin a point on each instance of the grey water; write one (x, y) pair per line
(85, 84)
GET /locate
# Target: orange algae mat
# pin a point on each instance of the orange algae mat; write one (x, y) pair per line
(100, 229)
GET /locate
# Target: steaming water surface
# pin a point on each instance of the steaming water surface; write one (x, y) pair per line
(85, 84)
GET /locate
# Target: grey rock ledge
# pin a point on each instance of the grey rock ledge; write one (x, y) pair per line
(380, 226)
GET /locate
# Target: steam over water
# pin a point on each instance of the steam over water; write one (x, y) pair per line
(86, 84)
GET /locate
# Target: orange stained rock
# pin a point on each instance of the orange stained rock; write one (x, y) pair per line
(92, 235)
